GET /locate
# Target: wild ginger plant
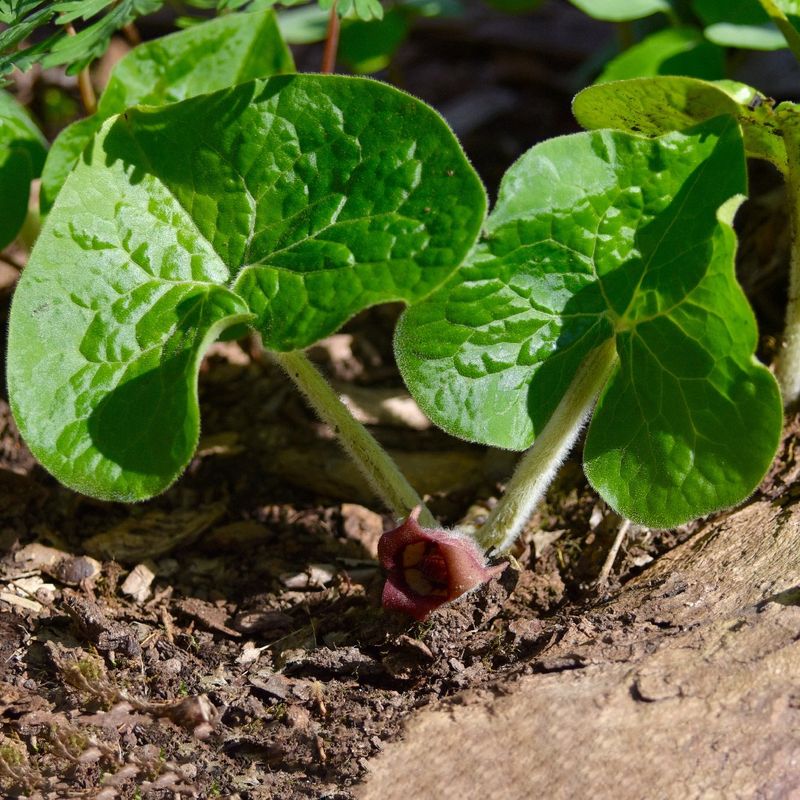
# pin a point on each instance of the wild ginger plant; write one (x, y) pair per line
(604, 287)
(286, 205)
(289, 204)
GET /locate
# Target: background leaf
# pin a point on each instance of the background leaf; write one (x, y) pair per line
(672, 51)
(661, 104)
(621, 10)
(303, 199)
(205, 58)
(22, 152)
(369, 46)
(604, 235)
(739, 23)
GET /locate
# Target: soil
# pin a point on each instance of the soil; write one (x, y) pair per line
(226, 638)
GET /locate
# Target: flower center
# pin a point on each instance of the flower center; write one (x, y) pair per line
(425, 569)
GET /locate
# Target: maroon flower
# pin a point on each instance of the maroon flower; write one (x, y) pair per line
(426, 568)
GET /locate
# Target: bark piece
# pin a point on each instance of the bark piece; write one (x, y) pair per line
(684, 685)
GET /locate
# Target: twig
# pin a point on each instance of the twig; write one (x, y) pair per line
(331, 42)
(602, 578)
(88, 97)
(131, 33)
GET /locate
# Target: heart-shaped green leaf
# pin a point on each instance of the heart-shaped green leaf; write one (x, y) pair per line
(656, 105)
(213, 55)
(601, 235)
(292, 202)
(621, 10)
(22, 153)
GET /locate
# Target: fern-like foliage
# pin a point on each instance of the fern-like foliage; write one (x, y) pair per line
(36, 31)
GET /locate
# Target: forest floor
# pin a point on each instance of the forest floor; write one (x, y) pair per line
(226, 638)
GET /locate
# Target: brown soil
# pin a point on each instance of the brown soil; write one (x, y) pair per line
(226, 639)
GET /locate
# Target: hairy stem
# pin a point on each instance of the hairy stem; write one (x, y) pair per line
(787, 368)
(374, 462)
(538, 466)
(331, 42)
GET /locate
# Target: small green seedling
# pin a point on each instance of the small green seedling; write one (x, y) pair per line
(689, 38)
(207, 57)
(772, 133)
(287, 204)
(606, 269)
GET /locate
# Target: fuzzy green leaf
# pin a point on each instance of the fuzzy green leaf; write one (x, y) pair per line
(601, 235)
(22, 152)
(205, 58)
(656, 105)
(292, 203)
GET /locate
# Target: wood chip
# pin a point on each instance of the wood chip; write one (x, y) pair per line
(363, 526)
(154, 534)
(137, 584)
(272, 622)
(247, 533)
(36, 556)
(209, 615)
(315, 577)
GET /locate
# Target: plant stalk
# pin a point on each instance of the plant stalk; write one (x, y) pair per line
(788, 30)
(374, 462)
(88, 96)
(331, 42)
(538, 467)
(131, 34)
(787, 368)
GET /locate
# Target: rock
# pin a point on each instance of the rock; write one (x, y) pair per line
(76, 569)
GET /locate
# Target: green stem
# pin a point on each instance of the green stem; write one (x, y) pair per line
(787, 369)
(788, 30)
(374, 462)
(538, 466)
